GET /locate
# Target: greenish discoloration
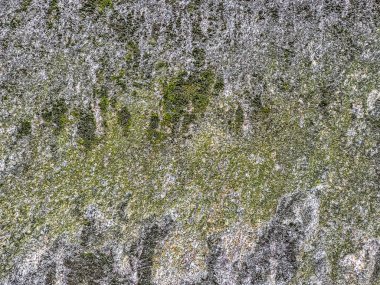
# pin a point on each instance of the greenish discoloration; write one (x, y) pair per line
(24, 129)
(218, 180)
(87, 128)
(124, 118)
(343, 245)
(119, 79)
(185, 99)
(56, 113)
(25, 5)
(172, 143)
(103, 4)
(237, 124)
(194, 5)
(88, 267)
(133, 54)
(104, 104)
(101, 94)
(207, 177)
(199, 57)
(15, 23)
(219, 85)
(197, 30)
(91, 6)
(155, 32)
(104, 101)
(154, 135)
(52, 13)
(306, 268)
(161, 65)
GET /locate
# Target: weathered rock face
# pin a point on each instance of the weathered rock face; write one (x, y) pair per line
(272, 257)
(362, 267)
(275, 257)
(94, 259)
(189, 142)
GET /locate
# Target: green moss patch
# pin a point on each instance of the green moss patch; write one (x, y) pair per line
(104, 101)
(91, 6)
(24, 129)
(132, 54)
(52, 13)
(87, 128)
(199, 57)
(237, 124)
(56, 113)
(124, 119)
(185, 99)
(25, 5)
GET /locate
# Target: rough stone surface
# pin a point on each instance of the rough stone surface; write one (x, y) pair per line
(189, 142)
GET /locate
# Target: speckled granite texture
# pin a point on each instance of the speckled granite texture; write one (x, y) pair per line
(189, 142)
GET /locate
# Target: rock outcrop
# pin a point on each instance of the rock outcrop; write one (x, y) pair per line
(189, 142)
